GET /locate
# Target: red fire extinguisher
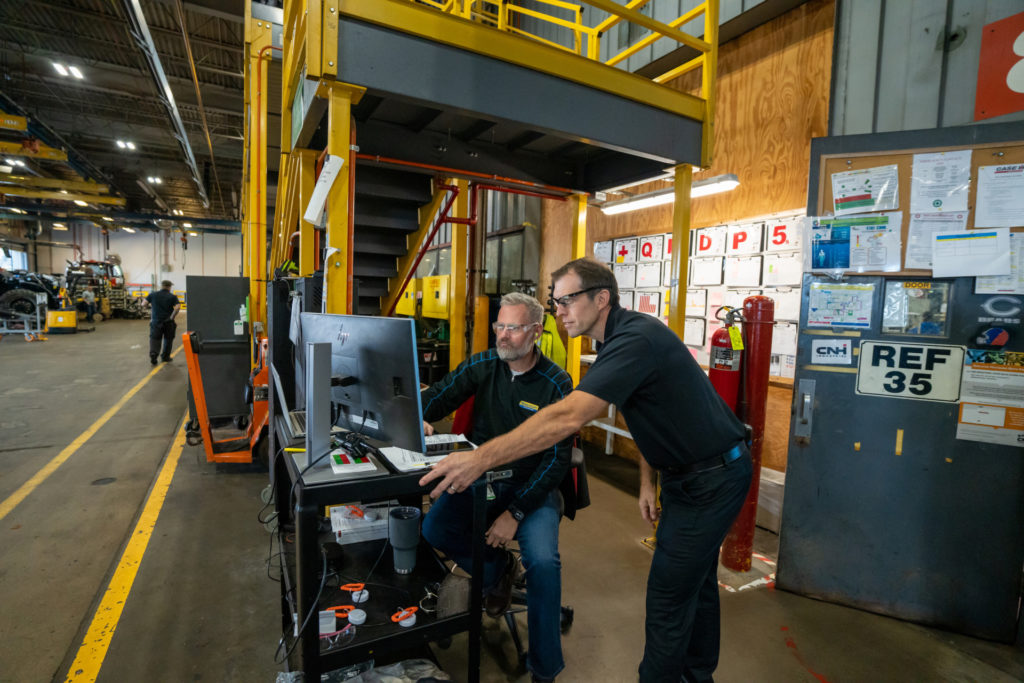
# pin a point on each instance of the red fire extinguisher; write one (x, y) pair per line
(724, 368)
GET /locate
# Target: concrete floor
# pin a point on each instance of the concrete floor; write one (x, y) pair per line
(202, 607)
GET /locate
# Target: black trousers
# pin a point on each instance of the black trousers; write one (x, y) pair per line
(682, 624)
(161, 332)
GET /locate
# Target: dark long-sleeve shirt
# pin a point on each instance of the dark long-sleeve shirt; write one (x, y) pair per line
(502, 403)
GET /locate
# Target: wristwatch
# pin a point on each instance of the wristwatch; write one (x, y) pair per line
(516, 513)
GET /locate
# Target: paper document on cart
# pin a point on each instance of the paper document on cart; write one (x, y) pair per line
(438, 448)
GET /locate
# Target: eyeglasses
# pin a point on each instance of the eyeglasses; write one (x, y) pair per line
(514, 329)
(566, 300)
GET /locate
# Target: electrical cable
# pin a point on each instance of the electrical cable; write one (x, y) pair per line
(312, 610)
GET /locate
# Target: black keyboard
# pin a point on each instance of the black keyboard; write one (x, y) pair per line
(299, 421)
(446, 448)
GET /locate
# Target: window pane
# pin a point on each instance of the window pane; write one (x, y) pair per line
(491, 265)
(511, 261)
(444, 261)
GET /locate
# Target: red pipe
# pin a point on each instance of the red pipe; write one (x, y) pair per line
(759, 314)
(441, 219)
(499, 188)
(461, 172)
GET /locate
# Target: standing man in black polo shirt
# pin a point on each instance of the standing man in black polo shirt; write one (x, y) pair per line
(683, 430)
(165, 307)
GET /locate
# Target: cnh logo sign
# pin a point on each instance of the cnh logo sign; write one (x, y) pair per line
(832, 352)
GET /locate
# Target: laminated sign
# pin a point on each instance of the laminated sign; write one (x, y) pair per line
(925, 372)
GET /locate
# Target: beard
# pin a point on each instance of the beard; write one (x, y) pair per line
(510, 352)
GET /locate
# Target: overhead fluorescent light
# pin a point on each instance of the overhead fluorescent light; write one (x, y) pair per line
(6, 169)
(131, 145)
(59, 226)
(75, 72)
(186, 225)
(701, 188)
(194, 234)
(120, 143)
(107, 218)
(127, 229)
(80, 202)
(15, 210)
(60, 68)
(11, 162)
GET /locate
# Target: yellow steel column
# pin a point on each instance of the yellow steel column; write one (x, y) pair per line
(709, 82)
(460, 270)
(254, 229)
(306, 159)
(680, 249)
(337, 266)
(579, 250)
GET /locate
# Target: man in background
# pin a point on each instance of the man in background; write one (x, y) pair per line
(89, 299)
(510, 383)
(164, 306)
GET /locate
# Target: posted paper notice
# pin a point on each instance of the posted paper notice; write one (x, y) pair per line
(1006, 284)
(869, 189)
(840, 305)
(974, 252)
(922, 231)
(939, 182)
(1000, 202)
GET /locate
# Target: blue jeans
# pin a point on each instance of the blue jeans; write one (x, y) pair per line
(682, 626)
(447, 527)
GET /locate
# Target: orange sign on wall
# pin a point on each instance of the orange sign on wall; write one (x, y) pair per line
(1001, 69)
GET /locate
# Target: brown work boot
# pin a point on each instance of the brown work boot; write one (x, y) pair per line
(497, 601)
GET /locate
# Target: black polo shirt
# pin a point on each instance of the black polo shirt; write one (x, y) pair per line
(674, 414)
(162, 302)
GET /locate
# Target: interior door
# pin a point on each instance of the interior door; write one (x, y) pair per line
(885, 508)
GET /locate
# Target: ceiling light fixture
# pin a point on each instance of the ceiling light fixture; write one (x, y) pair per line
(700, 188)
(107, 218)
(186, 225)
(127, 229)
(120, 143)
(154, 180)
(59, 226)
(76, 72)
(80, 202)
(131, 145)
(194, 234)
(60, 68)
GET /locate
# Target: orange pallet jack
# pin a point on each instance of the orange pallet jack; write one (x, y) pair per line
(240, 449)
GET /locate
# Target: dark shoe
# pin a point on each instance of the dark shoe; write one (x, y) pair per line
(166, 359)
(497, 601)
(152, 360)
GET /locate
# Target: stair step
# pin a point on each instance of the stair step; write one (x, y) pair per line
(393, 185)
(372, 241)
(368, 306)
(372, 265)
(373, 286)
(404, 226)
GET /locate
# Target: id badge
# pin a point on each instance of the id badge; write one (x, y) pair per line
(490, 493)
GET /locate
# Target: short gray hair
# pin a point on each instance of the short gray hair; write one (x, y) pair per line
(534, 311)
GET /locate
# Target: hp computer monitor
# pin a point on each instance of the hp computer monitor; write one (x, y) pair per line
(375, 386)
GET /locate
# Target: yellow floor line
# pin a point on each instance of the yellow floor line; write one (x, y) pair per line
(49, 468)
(93, 650)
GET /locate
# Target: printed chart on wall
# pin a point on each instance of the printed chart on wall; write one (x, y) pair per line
(868, 189)
(992, 398)
(858, 243)
(840, 305)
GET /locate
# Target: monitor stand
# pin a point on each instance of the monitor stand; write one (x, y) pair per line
(318, 401)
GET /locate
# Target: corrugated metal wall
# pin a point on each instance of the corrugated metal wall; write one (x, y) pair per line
(625, 34)
(909, 64)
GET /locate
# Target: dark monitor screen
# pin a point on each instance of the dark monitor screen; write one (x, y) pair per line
(375, 388)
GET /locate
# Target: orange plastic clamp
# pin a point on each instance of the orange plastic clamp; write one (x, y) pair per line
(404, 614)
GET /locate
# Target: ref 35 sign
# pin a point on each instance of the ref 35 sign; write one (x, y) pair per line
(925, 372)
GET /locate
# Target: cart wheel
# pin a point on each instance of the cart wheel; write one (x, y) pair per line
(444, 643)
(567, 617)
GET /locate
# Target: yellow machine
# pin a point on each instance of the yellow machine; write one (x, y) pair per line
(62, 322)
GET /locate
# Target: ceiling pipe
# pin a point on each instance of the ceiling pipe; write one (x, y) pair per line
(139, 30)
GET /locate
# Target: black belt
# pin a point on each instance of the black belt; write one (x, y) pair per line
(715, 461)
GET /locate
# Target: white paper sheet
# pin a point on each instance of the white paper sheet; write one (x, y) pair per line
(651, 248)
(939, 182)
(973, 252)
(783, 235)
(648, 274)
(1000, 201)
(784, 338)
(1006, 284)
(408, 461)
(869, 189)
(625, 275)
(783, 269)
(710, 241)
(787, 302)
(693, 332)
(624, 250)
(921, 233)
(744, 238)
(706, 271)
(875, 242)
(648, 302)
(315, 209)
(743, 271)
(697, 302)
(603, 251)
(626, 299)
(736, 297)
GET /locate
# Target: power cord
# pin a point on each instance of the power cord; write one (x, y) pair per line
(313, 608)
